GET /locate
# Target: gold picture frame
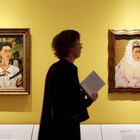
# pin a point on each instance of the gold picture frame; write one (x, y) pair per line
(123, 68)
(15, 77)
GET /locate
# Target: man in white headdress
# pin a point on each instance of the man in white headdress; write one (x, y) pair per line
(127, 72)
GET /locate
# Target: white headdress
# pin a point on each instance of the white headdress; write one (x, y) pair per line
(128, 53)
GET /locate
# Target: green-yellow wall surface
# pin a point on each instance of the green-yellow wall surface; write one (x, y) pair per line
(92, 18)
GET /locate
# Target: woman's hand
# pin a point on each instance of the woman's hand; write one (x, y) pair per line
(94, 96)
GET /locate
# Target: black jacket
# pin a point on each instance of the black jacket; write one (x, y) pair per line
(64, 100)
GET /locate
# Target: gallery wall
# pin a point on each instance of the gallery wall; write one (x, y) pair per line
(92, 18)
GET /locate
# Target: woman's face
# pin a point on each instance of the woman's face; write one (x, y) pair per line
(136, 54)
(6, 53)
(76, 50)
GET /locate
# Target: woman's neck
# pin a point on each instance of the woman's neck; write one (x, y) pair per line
(4, 64)
(70, 59)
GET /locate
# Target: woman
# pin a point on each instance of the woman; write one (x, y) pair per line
(65, 105)
(127, 72)
(10, 76)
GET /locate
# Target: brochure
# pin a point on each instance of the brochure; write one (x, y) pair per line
(92, 83)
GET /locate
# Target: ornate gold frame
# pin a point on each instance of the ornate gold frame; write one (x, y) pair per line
(123, 36)
(24, 34)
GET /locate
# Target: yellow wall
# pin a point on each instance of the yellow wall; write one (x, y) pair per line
(92, 18)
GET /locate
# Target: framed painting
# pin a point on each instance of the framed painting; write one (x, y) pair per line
(124, 60)
(15, 61)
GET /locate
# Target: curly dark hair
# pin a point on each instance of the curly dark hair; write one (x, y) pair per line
(63, 41)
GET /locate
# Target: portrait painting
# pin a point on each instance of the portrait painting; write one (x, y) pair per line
(15, 61)
(123, 60)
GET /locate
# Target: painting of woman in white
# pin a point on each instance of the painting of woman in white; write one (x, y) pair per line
(127, 71)
(10, 75)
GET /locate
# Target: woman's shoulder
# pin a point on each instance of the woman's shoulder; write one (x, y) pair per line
(62, 63)
(56, 66)
(62, 66)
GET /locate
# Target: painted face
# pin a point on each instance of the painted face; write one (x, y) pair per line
(136, 54)
(6, 53)
(76, 50)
